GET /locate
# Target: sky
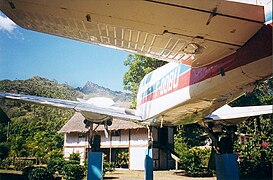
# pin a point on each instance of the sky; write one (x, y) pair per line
(25, 53)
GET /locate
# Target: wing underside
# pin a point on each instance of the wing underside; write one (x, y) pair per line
(89, 111)
(233, 115)
(192, 32)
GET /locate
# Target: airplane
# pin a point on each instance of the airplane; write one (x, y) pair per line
(217, 50)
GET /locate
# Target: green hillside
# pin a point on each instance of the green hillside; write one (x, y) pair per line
(33, 129)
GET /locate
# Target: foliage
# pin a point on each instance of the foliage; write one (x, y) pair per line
(196, 162)
(139, 66)
(188, 136)
(33, 129)
(72, 162)
(192, 134)
(75, 156)
(261, 95)
(108, 167)
(73, 172)
(19, 164)
(256, 154)
(4, 150)
(122, 158)
(181, 148)
(26, 170)
(3, 129)
(18, 146)
(40, 174)
(56, 165)
(54, 154)
(5, 163)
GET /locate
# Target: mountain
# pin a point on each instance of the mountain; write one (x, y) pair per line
(44, 87)
(91, 89)
(40, 87)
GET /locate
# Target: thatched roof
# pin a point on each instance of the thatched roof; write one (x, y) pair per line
(75, 124)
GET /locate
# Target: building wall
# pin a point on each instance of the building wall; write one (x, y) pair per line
(137, 157)
(75, 143)
(115, 141)
(138, 146)
(136, 140)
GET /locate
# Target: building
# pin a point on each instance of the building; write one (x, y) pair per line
(127, 141)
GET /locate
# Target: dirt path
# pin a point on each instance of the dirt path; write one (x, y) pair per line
(158, 175)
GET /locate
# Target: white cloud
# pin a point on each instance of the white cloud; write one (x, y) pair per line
(7, 24)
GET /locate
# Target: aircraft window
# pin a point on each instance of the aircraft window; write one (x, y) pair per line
(150, 90)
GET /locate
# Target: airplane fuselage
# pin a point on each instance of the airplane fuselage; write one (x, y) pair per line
(178, 94)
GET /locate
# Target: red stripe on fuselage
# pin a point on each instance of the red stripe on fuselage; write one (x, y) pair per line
(258, 47)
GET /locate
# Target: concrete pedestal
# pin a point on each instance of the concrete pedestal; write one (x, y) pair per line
(226, 167)
(95, 166)
(148, 167)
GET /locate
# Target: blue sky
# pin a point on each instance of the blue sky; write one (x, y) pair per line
(24, 53)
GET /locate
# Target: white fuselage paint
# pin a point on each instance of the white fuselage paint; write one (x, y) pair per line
(175, 106)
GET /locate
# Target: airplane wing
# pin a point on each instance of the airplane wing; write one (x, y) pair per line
(234, 115)
(193, 32)
(89, 111)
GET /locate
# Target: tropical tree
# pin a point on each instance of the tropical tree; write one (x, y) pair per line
(139, 66)
(32, 130)
(256, 153)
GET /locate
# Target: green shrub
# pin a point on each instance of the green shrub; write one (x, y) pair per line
(73, 172)
(27, 170)
(54, 154)
(75, 156)
(196, 162)
(40, 174)
(72, 162)
(4, 150)
(19, 164)
(122, 158)
(56, 165)
(108, 167)
(5, 163)
(255, 161)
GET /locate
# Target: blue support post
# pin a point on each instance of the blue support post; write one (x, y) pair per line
(95, 166)
(148, 168)
(226, 167)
